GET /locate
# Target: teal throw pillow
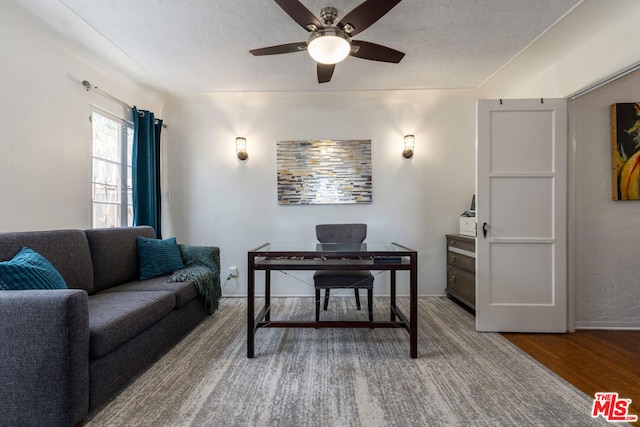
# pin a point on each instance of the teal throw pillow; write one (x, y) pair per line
(158, 257)
(29, 270)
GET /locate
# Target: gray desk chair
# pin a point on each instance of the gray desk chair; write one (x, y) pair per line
(342, 279)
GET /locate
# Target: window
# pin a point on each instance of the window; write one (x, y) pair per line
(112, 196)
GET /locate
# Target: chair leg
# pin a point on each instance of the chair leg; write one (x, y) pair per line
(370, 303)
(357, 298)
(326, 299)
(317, 305)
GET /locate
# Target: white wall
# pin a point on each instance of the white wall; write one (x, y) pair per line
(45, 144)
(607, 232)
(216, 199)
(597, 39)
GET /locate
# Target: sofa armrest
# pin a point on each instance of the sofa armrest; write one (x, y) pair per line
(44, 357)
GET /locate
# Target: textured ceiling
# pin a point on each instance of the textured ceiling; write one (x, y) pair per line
(203, 45)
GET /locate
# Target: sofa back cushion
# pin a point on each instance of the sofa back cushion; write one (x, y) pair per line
(115, 255)
(66, 250)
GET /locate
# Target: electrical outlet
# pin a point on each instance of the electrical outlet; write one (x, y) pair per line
(233, 271)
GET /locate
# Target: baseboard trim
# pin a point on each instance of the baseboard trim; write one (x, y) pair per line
(620, 326)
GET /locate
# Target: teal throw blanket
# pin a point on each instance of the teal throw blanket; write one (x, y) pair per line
(202, 268)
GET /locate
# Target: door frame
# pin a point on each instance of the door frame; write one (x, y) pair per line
(571, 216)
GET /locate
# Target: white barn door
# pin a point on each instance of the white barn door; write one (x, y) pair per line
(521, 283)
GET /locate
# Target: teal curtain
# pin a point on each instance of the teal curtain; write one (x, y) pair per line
(146, 170)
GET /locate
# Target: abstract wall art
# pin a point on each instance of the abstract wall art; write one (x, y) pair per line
(324, 172)
(625, 151)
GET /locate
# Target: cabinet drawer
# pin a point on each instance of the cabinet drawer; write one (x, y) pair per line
(462, 244)
(462, 261)
(461, 284)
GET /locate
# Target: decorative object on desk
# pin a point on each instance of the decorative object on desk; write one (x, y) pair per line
(625, 151)
(409, 145)
(241, 148)
(324, 172)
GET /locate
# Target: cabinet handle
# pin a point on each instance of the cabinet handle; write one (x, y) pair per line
(453, 258)
(453, 279)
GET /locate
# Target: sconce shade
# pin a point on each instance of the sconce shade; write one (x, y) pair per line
(329, 45)
(409, 145)
(241, 148)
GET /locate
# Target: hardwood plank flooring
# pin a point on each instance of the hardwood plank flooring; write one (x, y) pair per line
(591, 360)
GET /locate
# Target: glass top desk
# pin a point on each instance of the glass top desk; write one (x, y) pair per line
(333, 256)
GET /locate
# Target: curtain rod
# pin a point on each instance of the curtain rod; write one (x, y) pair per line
(89, 87)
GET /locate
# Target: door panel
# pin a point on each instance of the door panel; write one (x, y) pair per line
(521, 196)
(514, 274)
(533, 150)
(511, 212)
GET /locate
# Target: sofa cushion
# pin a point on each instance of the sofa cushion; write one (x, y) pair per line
(67, 250)
(116, 317)
(115, 254)
(29, 270)
(158, 257)
(184, 291)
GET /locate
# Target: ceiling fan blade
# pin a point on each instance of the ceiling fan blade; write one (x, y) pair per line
(325, 72)
(366, 14)
(281, 48)
(300, 14)
(375, 52)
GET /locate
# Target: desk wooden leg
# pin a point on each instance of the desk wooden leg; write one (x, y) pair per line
(251, 273)
(413, 307)
(393, 295)
(267, 294)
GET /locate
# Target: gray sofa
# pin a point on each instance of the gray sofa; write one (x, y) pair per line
(65, 352)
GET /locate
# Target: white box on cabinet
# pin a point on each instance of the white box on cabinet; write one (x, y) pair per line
(468, 226)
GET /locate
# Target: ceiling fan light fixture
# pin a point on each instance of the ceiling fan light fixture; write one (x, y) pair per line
(329, 45)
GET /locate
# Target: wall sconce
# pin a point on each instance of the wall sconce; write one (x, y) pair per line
(241, 148)
(409, 144)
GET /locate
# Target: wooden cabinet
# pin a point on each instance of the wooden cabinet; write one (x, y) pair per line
(461, 269)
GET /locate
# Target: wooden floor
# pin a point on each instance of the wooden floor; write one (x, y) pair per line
(592, 361)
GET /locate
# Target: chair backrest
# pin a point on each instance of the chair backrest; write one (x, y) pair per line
(341, 233)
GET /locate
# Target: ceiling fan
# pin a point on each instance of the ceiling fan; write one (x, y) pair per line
(330, 42)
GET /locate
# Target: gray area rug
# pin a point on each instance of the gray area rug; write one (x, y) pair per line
(346, 377)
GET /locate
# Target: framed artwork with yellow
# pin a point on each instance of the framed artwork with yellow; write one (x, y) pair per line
(625, 151)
